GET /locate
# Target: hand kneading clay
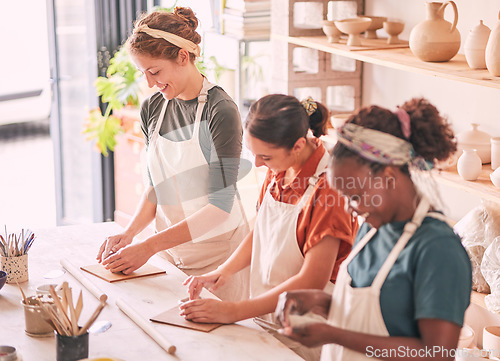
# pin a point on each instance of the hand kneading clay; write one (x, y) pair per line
(306, 318)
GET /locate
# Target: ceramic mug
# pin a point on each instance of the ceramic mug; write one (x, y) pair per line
(72, 348)
(491, 340)
(16, 268)
(35, 324)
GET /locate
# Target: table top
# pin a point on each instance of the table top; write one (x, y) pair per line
(148, 296)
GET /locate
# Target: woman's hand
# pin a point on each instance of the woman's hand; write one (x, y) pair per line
(212, 281)
(300, 302)
(112, 244)
(208, 310)
(129, 258)
(310, 335)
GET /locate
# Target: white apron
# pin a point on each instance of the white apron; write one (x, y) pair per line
(358, 309)
(180, 194)
(276, 255)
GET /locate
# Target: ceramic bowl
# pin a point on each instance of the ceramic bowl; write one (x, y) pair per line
(466, 337)
(331, 31)
(475, 139)
(353, 27)
(393, 29)
(338, 120)
(377, 23)
(3, 278)
(495, 178)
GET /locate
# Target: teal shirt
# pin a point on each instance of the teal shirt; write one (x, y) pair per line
(432, 277)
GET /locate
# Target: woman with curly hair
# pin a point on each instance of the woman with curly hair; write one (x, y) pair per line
(403, 291)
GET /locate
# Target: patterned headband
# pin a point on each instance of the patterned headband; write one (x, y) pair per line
(172, 38)
(376, 146)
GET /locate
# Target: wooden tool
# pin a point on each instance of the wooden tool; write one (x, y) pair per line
(65, 321)
(145, 326)
(22, 293)
(96, 314)
(75, 272)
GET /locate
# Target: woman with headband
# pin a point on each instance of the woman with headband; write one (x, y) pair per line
(193, 137)
(402, 292)
(302, 232)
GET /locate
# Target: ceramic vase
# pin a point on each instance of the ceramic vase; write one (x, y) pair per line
(16, 268)
(495, 153)
(493, 51)
(435, 39)
(469, 165)
(475, 46)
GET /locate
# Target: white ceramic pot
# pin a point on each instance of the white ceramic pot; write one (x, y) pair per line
(338, 120)
(475, 139)
(466, 337)
(493, 51)
(475, 46)
(495, 153)
(469, 165)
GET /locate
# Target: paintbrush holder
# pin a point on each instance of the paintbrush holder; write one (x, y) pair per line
(36, 326)
(16, 268)
(72, 348)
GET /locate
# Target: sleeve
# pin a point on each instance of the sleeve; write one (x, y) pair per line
(443, 280)
(327, 217)
(226, 132)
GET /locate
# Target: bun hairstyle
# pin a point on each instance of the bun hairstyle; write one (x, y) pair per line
(281, 120)
(181, 22)
(431, 135)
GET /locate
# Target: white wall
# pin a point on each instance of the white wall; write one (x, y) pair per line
(461, 103)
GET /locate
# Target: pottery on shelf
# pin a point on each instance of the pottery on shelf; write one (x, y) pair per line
(338, 120)
(393, 29)
(495, 153)
(469, 165)
(353, 27)
(475, 46)
(435, 39)
(377, 23)
(331, 31)
(495, 178)
(492, 54)
(475, 139)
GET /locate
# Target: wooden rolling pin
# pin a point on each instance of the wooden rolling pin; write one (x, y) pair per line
(75, 272)
(146, 326)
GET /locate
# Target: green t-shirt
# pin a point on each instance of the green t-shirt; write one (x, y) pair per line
(220, 137)
(432, 277)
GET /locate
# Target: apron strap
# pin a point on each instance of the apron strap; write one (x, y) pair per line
(159, 122)
(314, 179)
(408, 232)
(359, 246)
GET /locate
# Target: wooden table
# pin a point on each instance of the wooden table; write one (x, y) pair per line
(148, 296)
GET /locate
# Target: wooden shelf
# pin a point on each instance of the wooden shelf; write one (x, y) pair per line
(402, 59)
(481, 187)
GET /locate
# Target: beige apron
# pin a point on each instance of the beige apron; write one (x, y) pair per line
(358, 309)
(172, 165)
(276, 255)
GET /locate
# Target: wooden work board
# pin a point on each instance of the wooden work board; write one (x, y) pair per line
(98, 270)
(172, 317)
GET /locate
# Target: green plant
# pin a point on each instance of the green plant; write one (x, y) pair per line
(118, 88)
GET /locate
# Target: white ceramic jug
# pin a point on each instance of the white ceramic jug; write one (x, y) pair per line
(469, 165)
(475, 46)
(493, 50)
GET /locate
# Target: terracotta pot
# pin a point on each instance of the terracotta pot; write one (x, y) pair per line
(435, 39)
(475, 46)
(493, 51)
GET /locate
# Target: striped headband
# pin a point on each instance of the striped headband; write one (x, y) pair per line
(171, 38)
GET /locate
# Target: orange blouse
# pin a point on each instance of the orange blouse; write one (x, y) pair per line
(323, 215)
